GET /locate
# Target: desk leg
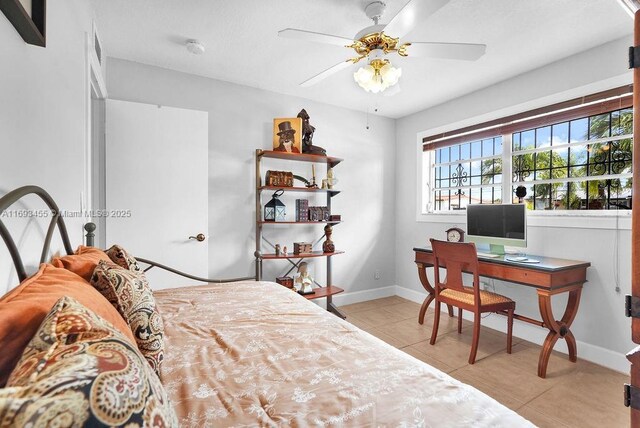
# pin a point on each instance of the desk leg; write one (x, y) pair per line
(422, 273)
(557, 329)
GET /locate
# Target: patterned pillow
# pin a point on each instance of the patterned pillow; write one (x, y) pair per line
(80, 371)
(119, 256)
(129, 292)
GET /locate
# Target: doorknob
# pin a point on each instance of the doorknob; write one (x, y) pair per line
(199, 237)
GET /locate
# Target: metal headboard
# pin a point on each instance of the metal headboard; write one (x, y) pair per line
(12, 197)
(153, 264)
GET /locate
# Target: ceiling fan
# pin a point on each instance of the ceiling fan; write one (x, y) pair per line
(376, 42)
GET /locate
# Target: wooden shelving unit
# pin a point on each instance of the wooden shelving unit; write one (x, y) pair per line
(297, 222)
(299, 157)
(300, 189)
(272, 256)
(322, 292)
(327, 292)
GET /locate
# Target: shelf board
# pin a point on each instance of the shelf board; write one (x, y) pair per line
(302, 157)
(329, 290)
(298, 222)
(299, 189)
(272, 256)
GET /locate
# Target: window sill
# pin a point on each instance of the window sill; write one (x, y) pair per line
(565, 219)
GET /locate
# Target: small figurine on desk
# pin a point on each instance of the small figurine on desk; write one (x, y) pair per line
(328, 246)
(302, 280)
(284, 251)
(277, 249)
(307, 136)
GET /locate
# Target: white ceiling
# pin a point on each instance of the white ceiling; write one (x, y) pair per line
(243, 47)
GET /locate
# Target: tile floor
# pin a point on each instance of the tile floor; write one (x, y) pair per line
(579, 394)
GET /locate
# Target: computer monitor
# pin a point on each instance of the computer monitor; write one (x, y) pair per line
(497, 225)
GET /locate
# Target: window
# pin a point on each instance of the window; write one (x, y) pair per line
(467, 173)
(575, 155)
(576, 165)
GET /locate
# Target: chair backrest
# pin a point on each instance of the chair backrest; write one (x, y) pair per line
(456, 258)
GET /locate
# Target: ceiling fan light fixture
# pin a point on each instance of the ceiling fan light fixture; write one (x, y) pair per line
(390, 74)
(377, 76)
(377, 42)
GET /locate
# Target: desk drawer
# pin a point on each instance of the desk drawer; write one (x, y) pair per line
(516, 274)
(526, 275)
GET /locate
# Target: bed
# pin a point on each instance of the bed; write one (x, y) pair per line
(251, 353)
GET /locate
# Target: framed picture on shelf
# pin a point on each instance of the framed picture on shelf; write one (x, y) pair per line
(287, 135)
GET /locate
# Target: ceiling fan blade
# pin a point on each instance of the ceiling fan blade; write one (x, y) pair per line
(411, 14)
(459, 51)
(328, 72)
(310, 36)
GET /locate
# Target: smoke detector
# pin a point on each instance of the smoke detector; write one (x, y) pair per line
(195, 47)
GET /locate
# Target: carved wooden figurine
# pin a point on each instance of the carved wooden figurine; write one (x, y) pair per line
(328, 246)
(307, 136)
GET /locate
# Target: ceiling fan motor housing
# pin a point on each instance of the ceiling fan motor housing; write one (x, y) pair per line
(376, 54)
(371, 29)
(372, 38)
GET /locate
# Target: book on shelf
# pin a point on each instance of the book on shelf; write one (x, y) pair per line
(302, 210)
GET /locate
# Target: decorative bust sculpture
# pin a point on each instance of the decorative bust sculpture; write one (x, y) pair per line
(307, 136)
(302, 280)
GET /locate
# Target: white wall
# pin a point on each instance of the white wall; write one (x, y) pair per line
(42, 122)
(240, 121)
(600, 327)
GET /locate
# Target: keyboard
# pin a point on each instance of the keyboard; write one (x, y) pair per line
(489, 255)
(521, 259)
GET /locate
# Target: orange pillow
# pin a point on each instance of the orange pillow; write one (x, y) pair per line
(83, 262)
(24, 308)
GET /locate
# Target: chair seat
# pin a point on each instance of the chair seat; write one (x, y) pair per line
(486, 297)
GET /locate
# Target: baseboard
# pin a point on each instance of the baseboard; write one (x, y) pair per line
(349, 298)
(409, 294)
(586, 351)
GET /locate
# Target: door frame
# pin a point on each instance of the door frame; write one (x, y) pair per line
(93, 195)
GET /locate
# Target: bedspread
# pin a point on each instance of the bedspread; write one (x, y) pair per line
(257, 354)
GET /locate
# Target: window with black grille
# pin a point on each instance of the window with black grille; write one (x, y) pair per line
(467, 173)
(582, 164)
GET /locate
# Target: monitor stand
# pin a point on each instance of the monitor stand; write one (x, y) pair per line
(496, 249)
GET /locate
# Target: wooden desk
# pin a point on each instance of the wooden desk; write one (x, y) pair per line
(549, 277)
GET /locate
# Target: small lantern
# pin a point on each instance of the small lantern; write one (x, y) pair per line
(275, 210)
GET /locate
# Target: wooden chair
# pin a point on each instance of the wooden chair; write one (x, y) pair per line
(457, 258)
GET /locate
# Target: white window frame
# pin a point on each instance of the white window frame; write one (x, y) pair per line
(581, 219)
(428, 158)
